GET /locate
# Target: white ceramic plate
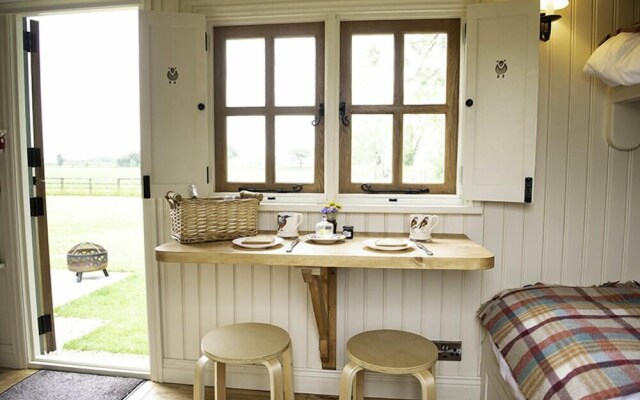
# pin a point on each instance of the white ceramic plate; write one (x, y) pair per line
(371, 243)
(277, 240)
(336, 237)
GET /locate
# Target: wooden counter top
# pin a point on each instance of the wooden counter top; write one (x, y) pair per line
(450, 252)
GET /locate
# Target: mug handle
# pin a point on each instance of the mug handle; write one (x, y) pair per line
(433, 218)
(299, 217)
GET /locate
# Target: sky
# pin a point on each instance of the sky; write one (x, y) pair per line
(90, 92)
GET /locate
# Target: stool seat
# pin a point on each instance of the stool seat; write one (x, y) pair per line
(245, 343)
(389, 352)
(392, 352)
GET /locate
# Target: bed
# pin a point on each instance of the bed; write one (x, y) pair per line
(617, 63)
(559, 342)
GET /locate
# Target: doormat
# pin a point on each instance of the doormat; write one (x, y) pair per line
(57, 385)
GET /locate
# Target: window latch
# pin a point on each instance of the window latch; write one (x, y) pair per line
(318, 118)
(368, 188)
(344, 118)
(293, 189)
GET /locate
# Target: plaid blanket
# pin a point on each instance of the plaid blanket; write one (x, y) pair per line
(569, 343)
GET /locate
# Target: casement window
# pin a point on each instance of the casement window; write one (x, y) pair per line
(399, 106)
(269, 89)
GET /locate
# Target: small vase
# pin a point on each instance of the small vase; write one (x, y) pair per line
(331, 217)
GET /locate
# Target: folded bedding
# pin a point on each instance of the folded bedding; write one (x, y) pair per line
(565, 342)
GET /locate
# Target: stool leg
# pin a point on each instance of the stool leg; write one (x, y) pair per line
(220, 380)
(198, 384)
(428, 384)
(358, 386)
(276, 378)
(105, 272)
(349, 373)
(287, 369)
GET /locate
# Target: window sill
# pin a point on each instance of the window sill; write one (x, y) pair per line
(472, 208)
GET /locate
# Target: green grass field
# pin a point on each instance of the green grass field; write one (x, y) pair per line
(116, 224)
(92, 180)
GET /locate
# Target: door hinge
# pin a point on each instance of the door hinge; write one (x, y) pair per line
(34, 157)
(528, 189)
(146, 187)
(30, 42)
(44, 324)
(37, 206)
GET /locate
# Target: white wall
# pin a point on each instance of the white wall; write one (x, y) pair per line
(583, 229)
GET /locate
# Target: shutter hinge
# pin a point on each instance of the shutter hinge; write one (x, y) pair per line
(146, 187)
(34, 157)
(36, 206)
(206, 42)
(30, 42)
(44, 324)
(464, 33)
(528, 189)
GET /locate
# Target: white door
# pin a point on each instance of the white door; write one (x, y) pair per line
(501, 101)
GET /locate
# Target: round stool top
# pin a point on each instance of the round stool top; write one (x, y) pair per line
(392, 352)
(245, 343)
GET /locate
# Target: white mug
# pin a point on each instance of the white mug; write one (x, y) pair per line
(421, 226)
(288, 223)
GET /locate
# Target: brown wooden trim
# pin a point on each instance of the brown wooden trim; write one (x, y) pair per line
(450, 110)
(42, 226)
(270, 111)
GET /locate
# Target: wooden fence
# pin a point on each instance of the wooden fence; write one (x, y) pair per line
(93, 186)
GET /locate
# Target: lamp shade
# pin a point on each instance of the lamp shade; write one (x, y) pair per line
(549, 6)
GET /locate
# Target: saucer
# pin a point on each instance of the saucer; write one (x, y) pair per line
(371, 243)
(238, 242)
(336, 237)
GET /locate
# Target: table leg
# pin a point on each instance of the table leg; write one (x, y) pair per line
(323, 292)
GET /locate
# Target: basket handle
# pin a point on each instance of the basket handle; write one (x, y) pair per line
(173, 198)
(245, 194)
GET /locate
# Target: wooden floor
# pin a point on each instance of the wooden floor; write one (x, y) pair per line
(160, 391)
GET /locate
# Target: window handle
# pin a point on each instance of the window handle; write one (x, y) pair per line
(318, 118)
(368, 188)
(294, 189)
(344, 118)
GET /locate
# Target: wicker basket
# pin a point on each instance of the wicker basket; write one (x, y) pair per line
(211, 219)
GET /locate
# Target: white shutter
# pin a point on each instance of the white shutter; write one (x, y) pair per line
(174, 131)
(499, 136)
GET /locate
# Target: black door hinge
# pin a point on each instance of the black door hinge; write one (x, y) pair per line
(30, 42)
(528, 189)
(146, 187)
(37, 206)
(44, 324)
(34, 157)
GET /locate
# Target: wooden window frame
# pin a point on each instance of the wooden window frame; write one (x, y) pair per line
(269, 111)
(450, 109)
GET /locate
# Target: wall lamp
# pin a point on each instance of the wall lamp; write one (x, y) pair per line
(547, 16)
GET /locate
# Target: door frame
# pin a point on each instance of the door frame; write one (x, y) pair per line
(17, 234)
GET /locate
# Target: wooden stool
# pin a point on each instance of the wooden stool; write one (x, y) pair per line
(389, 352)
(247, 343)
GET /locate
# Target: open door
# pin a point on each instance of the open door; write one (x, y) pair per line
(46, 326)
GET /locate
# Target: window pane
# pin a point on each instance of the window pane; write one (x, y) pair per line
(245, 73)
(295, 71)
(425, 68)
(371, 146)
(423, 148)
(295, 149)
(372, 69)
(246, 163)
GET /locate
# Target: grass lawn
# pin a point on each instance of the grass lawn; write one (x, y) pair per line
(123, 305)
(116, 224)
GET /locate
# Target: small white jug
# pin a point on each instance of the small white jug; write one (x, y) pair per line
(288, 223)
(421, 226)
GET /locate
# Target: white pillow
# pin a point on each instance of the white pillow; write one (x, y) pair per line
(617, 61)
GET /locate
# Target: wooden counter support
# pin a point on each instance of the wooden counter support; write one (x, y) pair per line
(318, 264)
(322, 289)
